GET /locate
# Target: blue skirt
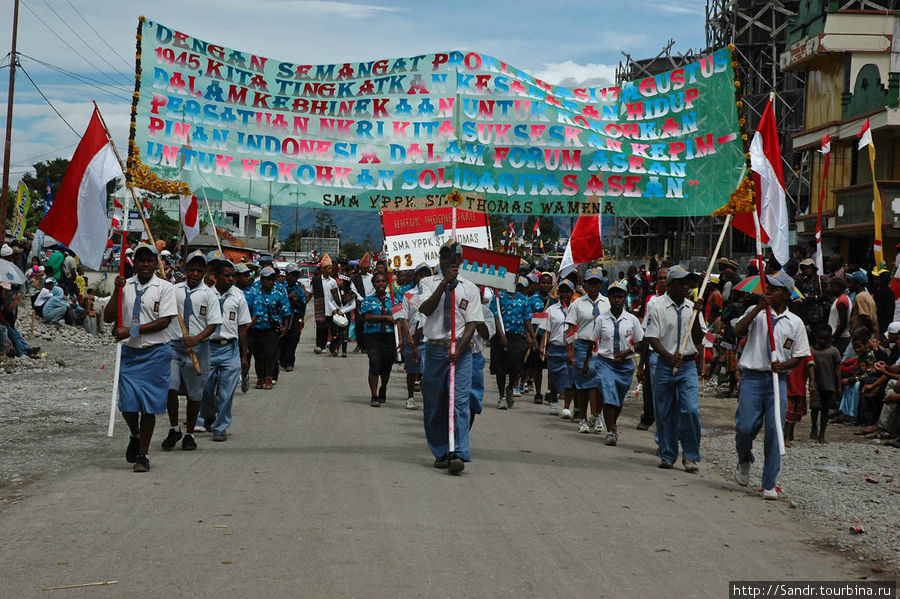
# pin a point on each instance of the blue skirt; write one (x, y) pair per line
(580, 380)
(144, 379)
(615, 380)
(557, 368)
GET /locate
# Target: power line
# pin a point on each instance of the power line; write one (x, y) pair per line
(26, 162)
(68, 45)
(80, 78)
(102, 39)
(69, 27)
(47, 100)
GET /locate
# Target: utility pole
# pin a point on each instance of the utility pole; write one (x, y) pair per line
(297, 195)
(4, 191)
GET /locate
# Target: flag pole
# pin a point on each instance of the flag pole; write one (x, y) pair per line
(123, 234)
(702, 290)
(211, 221)
(137, 203)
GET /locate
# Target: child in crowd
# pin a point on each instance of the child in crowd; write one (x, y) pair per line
(826, 369)
(796, 396)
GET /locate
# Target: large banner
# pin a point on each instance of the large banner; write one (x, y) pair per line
(388, 133)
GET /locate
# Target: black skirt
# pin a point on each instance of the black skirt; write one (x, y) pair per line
(382, 352)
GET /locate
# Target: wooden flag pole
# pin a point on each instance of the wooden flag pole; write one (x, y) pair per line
(712, 262)
(140, 209)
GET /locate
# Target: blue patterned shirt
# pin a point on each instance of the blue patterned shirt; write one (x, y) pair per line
(371, 304)
(268, 308)
(301, 296)
(516, 311)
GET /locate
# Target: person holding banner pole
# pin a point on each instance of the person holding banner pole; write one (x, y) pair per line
(146, 355)
(123, 235)
(439, 306)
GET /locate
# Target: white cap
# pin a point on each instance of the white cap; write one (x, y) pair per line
(6, 250)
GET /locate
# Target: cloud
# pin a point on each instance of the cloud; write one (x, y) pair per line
(681, 8)
(306, 8)
(572, 74)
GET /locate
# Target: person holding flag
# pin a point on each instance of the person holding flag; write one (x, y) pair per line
(451, 307)
(200, 309)
(758, 361)
(148, 306)
(617, 331)
(553, 350)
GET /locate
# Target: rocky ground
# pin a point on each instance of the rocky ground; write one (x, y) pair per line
(54, 409)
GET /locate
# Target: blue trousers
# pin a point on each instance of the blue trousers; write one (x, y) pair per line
(18, 342)
(436, 401)
(755, 405)
(476, 393)
(676, 399)
(224, 375)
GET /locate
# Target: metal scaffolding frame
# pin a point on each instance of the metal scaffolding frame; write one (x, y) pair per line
(758, 29)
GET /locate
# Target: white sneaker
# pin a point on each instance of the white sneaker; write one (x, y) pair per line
(554, 408)
(502, 405)
(770, 494)
(317, 350)
(598, 424)
(517, 392)
(410, 404)
(742, 474)
(611, 439)
(584, 427)
(566, 414)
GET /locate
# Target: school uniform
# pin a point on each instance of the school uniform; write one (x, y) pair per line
(613, 335)
(145, 363)
(476, 393)
(583, 312)
(199, 308)
(558, 369)
(757, 398)
(676, 397)
(538, 303)
(435, 394)
(224, 360)
(409, 311)
(381, 346)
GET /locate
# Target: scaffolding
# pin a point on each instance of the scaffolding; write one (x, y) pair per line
(758, 29)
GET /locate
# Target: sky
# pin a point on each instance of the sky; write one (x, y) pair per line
(77, 51)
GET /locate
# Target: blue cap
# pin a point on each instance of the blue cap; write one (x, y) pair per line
(594, 273)
(567, 283)
(241, 268)
(144, 246)
(859, 276)
(678, 272)
(782, 279)
(616, 285)
(268, 271)
(196, 255)
(215, 256)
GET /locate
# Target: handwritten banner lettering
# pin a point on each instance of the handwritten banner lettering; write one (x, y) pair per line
(381, 133)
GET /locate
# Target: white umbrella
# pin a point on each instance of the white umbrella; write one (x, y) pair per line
(10, 273)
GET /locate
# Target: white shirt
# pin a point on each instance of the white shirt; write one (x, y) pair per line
(468, 307)
(204, 310)
(235, 313)
(42, 297)
(477, 341)
(650, 301)
(790, 340)
(581, 315)
(409, 310)
(630, 332)
(327, 285)
(834, 317)
(157, 301)
(556, 324)
(663, 324)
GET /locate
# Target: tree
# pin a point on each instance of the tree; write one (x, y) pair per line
(352, 251)
(368, 243)
(161, 225)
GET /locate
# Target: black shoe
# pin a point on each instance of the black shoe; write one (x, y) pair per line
(456, 465)
(382, 395)
(188, 443)
(142, 464)
(131, 453)
(245, 384)
(171, 439)
(374, 402)
(642, 426)
(441, 463)
(33, 352)
(538, 398)
(220, 437)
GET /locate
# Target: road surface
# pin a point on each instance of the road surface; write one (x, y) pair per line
(316, 494)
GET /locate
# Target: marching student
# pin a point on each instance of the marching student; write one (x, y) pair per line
(483, 332)
(617, 332)
(243, 284)
(201, 313)
(228, 352)
(644, 374)
(580, 339)
(412, 336)
(509, 345)
(756, 402)
(379, 332)
(676, 397)
(297, 298)
(269, 309)
(148, 305)
(540, 301)
(554, 350)
(438, 295)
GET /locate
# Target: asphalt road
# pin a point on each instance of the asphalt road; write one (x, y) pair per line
(316, 494)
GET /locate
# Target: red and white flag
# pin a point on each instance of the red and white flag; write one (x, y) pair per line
(826, 151)
(765, 161)
(865, 135)
(585, 243)
(539, 320)
(190, 220)
(78, 215)
(895, 284)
